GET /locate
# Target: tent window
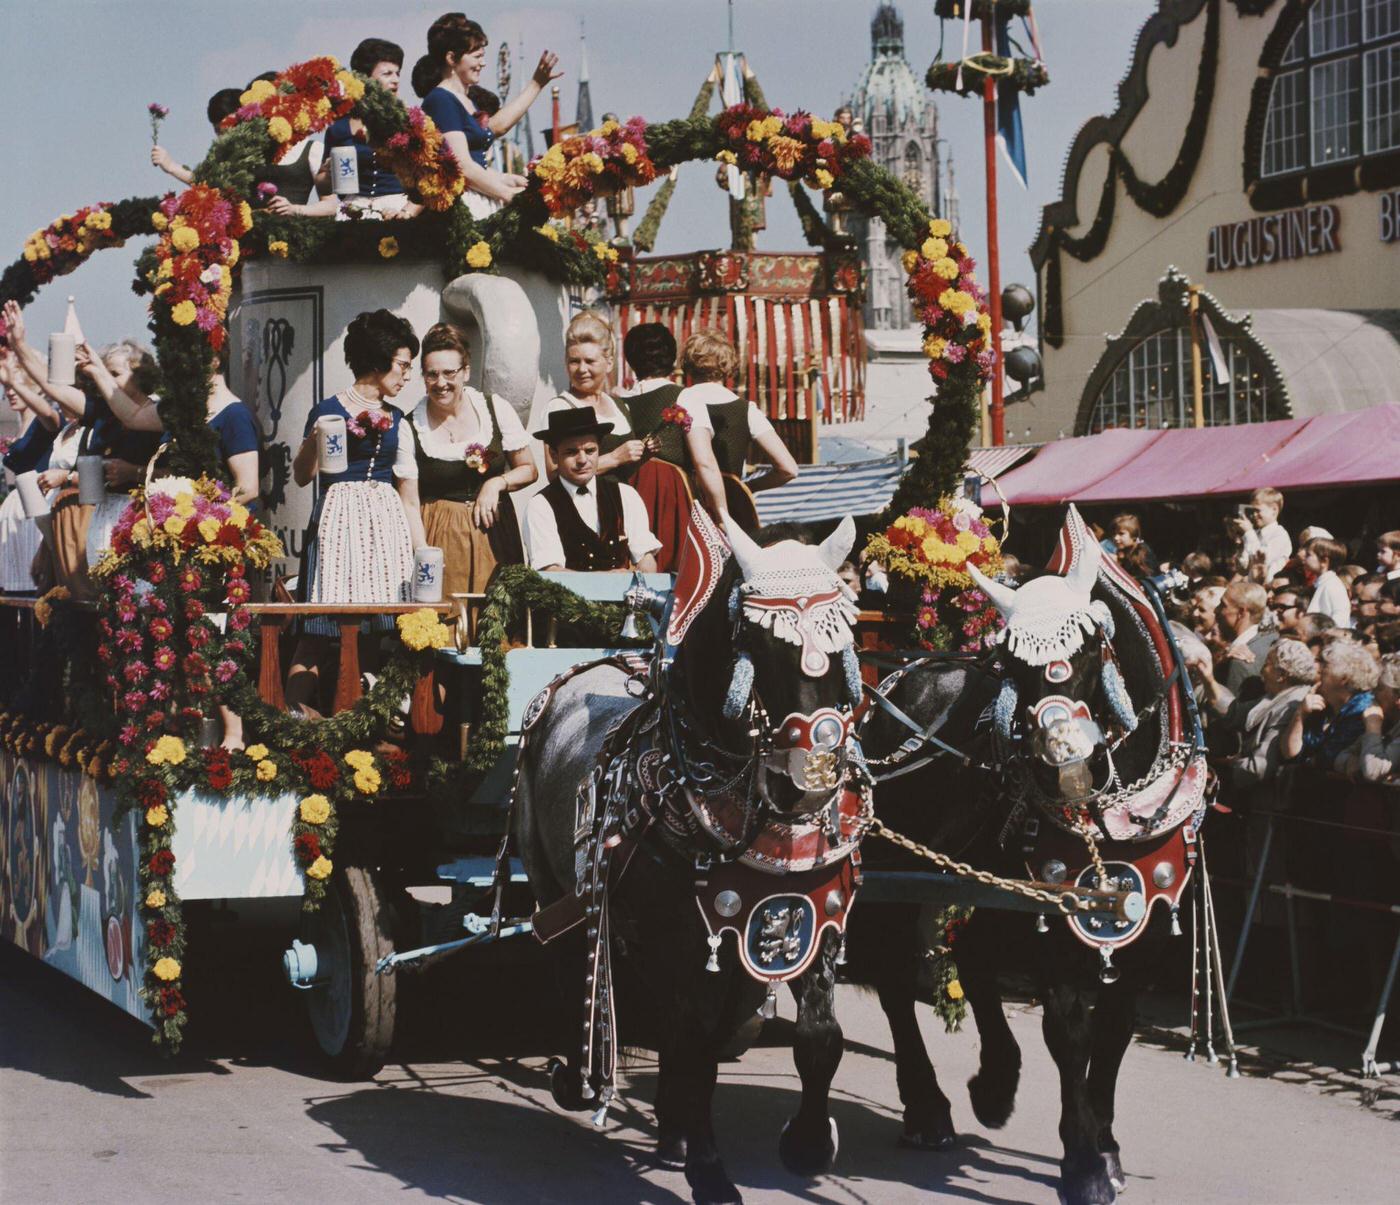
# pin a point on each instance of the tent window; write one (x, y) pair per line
(1341, 101)
(1150, 387)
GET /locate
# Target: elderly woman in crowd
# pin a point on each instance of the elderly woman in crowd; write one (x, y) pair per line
(473, 454)
(446, 78)
(1331, 717)
(1375, 756)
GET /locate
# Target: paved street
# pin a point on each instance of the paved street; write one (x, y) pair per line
(88, 1112)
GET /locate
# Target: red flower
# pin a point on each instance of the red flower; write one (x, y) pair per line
(239, 619)
(154, 719)
(160, 932)
(238, 591)
(400, 773)
(319, 768)
(190, 580)
(171, 1001)
(163, 658)
(160, 629)
(194, 610)
(308, 848)
(155, 572)
(195, 666)
(151, 792)
(198, 635)
(162, 862)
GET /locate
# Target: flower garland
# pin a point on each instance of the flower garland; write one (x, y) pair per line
(949, 999)
(931, 548)
(606, 160)
(796, 147)
(950, 302)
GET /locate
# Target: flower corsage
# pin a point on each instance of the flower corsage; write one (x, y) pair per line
(369, 423)
(676, 416)
(478, 457)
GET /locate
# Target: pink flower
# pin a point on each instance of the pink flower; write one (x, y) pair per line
(225, 669)
(128, 734)
(267, 189)
(160, 691)
(134, 700)
(135, 671)
(161, 629)
(163, 658)
(239, 619)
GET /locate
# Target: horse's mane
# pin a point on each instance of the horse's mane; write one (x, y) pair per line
(1142, 674)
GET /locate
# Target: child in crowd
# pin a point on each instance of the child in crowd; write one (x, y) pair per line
(1265, 538)
(1330, 597)
(1130, 548)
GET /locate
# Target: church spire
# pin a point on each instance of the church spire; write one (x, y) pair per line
(887, 32)
(583, 112)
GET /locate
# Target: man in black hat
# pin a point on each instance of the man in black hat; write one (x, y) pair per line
(581, 521)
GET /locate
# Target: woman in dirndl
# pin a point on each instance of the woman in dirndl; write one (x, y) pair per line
(366, 521)
(20, 539)
(470, 118)
(473, 453)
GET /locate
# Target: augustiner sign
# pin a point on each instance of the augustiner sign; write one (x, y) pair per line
(1292, 234)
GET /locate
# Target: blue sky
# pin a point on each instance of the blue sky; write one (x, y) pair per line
(76, 76)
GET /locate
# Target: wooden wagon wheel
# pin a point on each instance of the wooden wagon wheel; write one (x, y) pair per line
(352, 1009)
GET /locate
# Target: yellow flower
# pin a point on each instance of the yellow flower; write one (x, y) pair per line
(940, 228)
(156, 899)
(166, 969)
(786, 151)
(601, 250)
(359, 759)
(99, 219)
(954, 990)
(968, 542)
(934, 248)
(165, 269)
(174, 525)
(167, 751)
(824, 178)
(256, 752)
(302, 121)
(984, 322)
(184, 505)
(159, 221)
(594, 162)
(238, 515)
(945, 268)
(209, 528)
(315, 809)
(245, 214)
(629, 152)
(141, 532)
(185, 239)
(323, 106)
(989, 544)
(422, 629)
(157, 816)
(266, 771)
(183, 313)
(258, 91)
(367, 781)
(608, 127)
(388, 247)
(234, 251)
(728, 157)
(933, 347)
(955, 301)
(320, 868)
(278, 247)
(754, 132)
(910, 260)
(548, 232)
(479, 255)
(350, 85)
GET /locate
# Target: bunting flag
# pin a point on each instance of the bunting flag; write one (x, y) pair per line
(1010, 136)
(1219, 362)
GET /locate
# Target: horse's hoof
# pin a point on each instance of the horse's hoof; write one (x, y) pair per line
(993, 1095)
(565, 1085)
(933, 1135)
(1116, 1175)
(670, 1151)
(710, 1184)
(1088, 1187)
(803, 1156)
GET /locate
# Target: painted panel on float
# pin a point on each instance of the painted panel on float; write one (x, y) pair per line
(69, 884)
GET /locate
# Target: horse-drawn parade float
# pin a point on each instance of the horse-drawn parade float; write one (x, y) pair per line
(727, 776)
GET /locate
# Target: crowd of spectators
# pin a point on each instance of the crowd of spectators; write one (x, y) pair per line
(1293, 649)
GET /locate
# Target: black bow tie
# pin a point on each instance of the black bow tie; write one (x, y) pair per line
(580, 490)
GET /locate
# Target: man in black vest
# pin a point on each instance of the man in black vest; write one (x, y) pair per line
(581, 521)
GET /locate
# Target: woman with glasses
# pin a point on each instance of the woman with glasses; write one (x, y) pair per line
(473, 453)
(366, 522)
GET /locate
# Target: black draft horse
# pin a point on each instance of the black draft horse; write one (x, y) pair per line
(1008, 714)
(654, 918)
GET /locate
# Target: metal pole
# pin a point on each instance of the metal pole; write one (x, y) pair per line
(989, 137)
(1198, 411)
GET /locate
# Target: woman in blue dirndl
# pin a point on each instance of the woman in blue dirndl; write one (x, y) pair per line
(363, 530)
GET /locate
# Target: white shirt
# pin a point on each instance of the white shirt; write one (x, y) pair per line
(1275, 542)
(1242, 640)
(645, 385)
(712, 393)
(1330, 599)
(1392, 575)
(567, 401)
(543, 545)
(435, 443)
